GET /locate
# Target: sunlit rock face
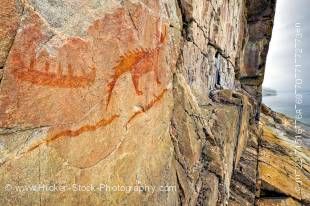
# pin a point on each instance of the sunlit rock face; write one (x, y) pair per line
(156, 96)
(283, 166)
(86, 98)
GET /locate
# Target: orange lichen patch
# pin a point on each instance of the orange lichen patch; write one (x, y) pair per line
(59, 71)
(138, 63)
(148, 106)
(74, 133)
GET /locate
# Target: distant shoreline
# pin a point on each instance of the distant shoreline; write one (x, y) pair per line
(269, 92)
(284, 102)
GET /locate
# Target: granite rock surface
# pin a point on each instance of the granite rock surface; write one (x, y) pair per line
(142, 102)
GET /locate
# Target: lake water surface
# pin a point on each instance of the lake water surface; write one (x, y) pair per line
(284, 102)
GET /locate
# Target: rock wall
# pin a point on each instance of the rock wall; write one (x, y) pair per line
(139, 94)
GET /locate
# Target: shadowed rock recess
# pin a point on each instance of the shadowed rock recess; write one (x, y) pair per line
(101, 100)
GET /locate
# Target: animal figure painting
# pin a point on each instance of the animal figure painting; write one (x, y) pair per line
(138, 63)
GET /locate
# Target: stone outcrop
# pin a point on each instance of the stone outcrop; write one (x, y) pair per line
(158, 97)
(283, 161)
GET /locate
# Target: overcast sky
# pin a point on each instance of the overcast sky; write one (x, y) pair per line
(280, 72)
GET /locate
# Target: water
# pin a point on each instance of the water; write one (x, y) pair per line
(284, 102)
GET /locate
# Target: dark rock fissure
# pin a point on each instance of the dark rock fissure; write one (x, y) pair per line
(187, 19)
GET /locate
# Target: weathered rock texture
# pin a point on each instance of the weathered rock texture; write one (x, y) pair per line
(284, 158)
(141, 93)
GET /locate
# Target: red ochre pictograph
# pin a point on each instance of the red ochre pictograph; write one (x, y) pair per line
(72, 67)
(59, 71)
(138, 63)
(148, 106)
(55, 79)
(74, 133)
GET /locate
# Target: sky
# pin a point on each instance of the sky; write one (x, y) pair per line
(280, 70)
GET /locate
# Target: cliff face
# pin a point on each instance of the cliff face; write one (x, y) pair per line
(98, 96)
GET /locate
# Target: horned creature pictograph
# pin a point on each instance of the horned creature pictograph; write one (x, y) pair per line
(138, 62)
